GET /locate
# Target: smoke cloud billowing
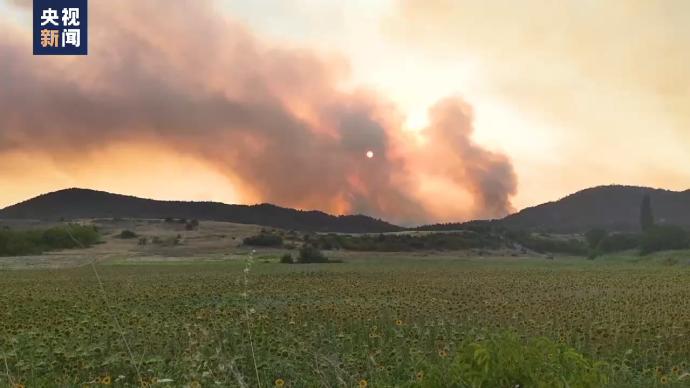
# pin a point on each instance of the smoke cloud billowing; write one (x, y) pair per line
(602, 88)
(272, 119)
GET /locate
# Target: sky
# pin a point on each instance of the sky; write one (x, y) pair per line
(470, 109)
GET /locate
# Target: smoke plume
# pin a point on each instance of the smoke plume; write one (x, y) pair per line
(273, 119)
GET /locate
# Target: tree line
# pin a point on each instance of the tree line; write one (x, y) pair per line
(36, 241)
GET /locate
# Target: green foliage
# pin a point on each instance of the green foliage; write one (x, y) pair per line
(660, 238)
(287, 259)
(310, 254)
(540, 244)
(410, 322)
(409, 242)
(448, 241)
(503, 359)
(264, 239)
(127, 234)
(594, 237)
(655, 238)
(646, 215)
(601, 242)
(617, 242)
(166, 241)
(36, 241)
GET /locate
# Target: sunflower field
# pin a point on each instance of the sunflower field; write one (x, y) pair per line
(369, 322)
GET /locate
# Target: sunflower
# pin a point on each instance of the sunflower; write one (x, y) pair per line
(107, 380)
(363, 383)
(663, 380)
(420, 375)
(398, 322)
(279, 382)
(442, 353)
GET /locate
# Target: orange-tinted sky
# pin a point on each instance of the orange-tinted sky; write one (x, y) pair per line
(472, 109)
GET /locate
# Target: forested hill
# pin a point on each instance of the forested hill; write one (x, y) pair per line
(82, 203)
(615, 208)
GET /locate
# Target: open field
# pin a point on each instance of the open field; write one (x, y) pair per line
(405, 320)
(211, 240)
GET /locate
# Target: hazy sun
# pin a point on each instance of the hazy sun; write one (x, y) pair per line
(370, 154)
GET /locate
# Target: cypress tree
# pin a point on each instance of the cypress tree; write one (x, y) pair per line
(646, 216)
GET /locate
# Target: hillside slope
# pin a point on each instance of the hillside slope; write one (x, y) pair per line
(83, 203)
(615, 208)
(610, 207)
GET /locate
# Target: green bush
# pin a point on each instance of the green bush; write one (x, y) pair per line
(538, 244)
(618, 242)
(37, 241)
(264, 239)
(408, 242)
(505, 360)
(595, 236)
(166, 241)
(126, 234)
(610, 243)
(287, 259)
(311, 254)
(448, 241)
(661, 238)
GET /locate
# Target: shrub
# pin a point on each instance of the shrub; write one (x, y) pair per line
(166, 241)
(287, 259)
(30, 242)
(554, 245)
(660, 238)
(618, 242)
(505, 360)
(85, 234)
(594, 237)
(192, 225)
(57, 238)
(408, 242)
(311, 254)
(264, 239)
(126, 234)
(608, 243)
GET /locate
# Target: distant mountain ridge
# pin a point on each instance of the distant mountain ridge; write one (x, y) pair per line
(614, 207)
(83, 203)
